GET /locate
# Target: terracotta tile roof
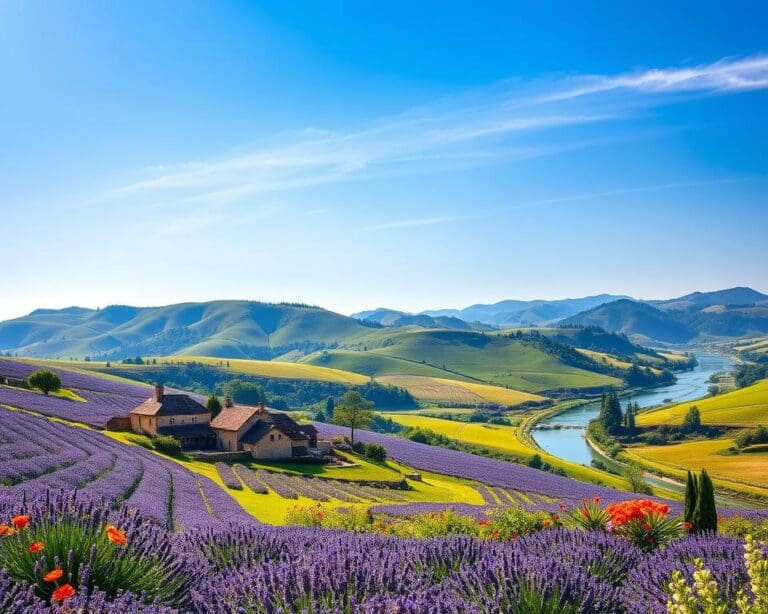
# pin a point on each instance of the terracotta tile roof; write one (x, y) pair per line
(233, 418)
(170, 405)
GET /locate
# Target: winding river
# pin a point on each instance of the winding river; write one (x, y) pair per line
(569, 442)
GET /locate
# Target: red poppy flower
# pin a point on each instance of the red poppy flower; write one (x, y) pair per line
(36, 547)
(20, 521)
(53, 575)
(64, 592)
(6, 530)
(688, 526)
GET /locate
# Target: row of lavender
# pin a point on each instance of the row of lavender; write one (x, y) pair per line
(105, 397)
(295, 486)
(37, 454)
(481, 469)
(264, 569)
(74, 379)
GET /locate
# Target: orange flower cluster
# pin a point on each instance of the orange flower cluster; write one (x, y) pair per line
(116, 536)
(636, 509)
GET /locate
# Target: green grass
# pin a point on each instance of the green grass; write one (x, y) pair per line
(488, 359)
(374, 365)
(742, 407)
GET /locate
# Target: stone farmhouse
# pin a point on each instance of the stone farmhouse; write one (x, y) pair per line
(263, 432)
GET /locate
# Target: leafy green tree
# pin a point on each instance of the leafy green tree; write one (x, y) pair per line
(692, 420)
(45, 381)
(329, 407)
(611, 415)
(631, 416)
(213, 405)
(705, 514)
(244, 392)
(633, 473)
(353, 411)
(691, 496)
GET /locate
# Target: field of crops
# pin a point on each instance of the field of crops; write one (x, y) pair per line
(441, 390)
(38, 454)
(278, 369)
(743, 407)
(747, 468)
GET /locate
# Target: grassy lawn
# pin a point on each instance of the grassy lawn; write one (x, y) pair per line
(743, 407)
(746, 472)
(374, 365)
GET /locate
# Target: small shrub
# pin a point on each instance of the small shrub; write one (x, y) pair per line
(165, 444)
(375, 452)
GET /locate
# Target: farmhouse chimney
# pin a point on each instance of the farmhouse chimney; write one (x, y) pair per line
(227, 401)
(159, 392)
(261, 408)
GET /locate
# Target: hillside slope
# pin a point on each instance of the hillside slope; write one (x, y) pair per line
(485, 358)
(230, 329)
(742, 407)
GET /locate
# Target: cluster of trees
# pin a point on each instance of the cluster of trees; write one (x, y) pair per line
(536, 462)
(748, 374)
(279, 393)
(751, 437)
(636, 376)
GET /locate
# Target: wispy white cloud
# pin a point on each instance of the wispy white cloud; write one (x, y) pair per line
(500, 122)
(413, 223)
(725, 76)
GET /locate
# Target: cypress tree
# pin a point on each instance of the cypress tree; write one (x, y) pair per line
(611, 415)
(705, 514)
(691, 496)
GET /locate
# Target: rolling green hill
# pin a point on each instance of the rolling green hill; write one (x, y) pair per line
(485, 358)
(229, 329)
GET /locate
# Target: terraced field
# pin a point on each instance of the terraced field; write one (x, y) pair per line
(39, 454)
(743, 407)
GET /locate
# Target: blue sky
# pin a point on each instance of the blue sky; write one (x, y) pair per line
(361, 154)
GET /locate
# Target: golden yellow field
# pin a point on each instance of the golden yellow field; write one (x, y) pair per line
(732, 471)
(742, 407)
(287, 370)
(436, 389)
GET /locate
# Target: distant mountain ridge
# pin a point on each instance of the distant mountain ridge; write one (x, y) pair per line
(251, 329)
(701, 316)
(233, 329)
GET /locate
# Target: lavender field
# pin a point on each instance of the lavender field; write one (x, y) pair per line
(105, 397)
(38, 454)
(255, 568)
